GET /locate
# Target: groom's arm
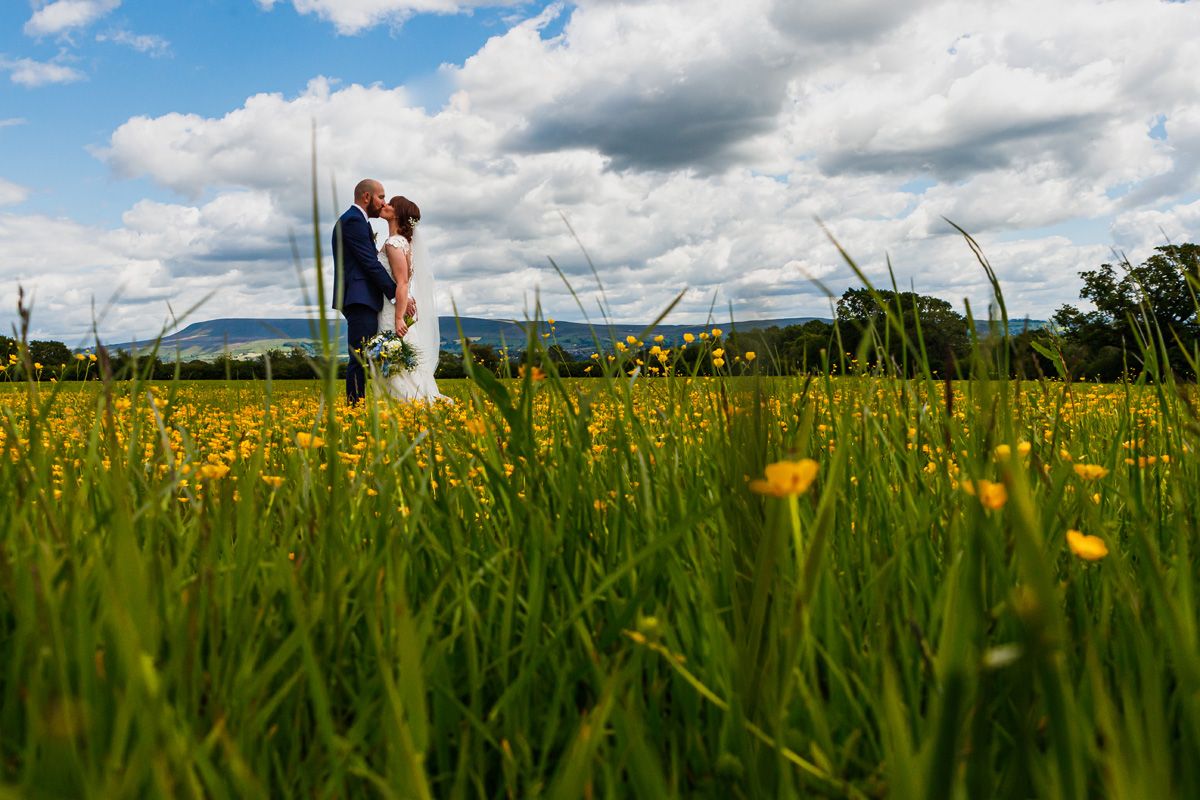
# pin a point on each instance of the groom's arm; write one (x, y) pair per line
(357, 241)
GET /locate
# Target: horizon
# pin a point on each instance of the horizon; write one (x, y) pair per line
(165, 149)
(728, 326)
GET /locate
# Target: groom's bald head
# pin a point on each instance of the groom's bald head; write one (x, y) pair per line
(369, 194)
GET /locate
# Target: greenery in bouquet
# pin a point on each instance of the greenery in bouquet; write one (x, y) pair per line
(390, 353)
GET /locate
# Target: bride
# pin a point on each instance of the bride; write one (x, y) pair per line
(403, 254)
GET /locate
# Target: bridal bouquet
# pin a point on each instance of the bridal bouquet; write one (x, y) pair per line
(390, 353)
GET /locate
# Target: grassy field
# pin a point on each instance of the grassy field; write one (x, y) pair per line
(600, 588)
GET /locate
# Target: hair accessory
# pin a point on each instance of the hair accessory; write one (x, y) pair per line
(413, 221)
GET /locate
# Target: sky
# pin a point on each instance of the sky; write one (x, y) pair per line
(156, 159)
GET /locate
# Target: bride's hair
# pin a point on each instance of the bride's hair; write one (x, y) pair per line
(407, 215)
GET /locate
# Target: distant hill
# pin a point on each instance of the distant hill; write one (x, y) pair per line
(248, 338)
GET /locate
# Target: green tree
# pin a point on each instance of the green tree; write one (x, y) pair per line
(52, 355)
(450, 365)
(484, 355)
(943, 330)
(1162, 289)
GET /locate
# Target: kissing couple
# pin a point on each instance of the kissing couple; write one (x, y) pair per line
(383, 282)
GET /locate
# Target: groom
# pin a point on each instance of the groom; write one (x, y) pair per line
(360, 281)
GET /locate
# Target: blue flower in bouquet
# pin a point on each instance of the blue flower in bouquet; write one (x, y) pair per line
(390, 354)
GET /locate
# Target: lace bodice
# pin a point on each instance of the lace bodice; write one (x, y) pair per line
(401, 242)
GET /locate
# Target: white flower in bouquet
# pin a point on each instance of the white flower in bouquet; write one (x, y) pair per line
(389, 353)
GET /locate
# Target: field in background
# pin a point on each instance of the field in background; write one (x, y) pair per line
(600, 588)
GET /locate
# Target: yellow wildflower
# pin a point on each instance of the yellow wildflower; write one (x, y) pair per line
(1090, 472)
(537, 374)
(784, 478)
(1089, 548)
(992, 495)
(213, 471)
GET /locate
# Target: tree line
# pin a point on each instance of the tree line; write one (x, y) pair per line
(1141, 317)
(54, 360)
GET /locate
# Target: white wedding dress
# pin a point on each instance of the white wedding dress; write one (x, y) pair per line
(424, 334)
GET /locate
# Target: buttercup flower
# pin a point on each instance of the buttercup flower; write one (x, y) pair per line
(1089, 548)
(992, 495)
(1090, 472)
(213, 471)
(784, 478)
(537, 374)
(308, 440)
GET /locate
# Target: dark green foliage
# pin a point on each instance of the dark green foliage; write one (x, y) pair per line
(788, 350)
(943, 329)
(1128, 303)
(450, 365)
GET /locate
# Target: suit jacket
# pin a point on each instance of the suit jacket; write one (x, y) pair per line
(358, 276)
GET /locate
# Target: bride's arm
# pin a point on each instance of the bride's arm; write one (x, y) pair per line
(398, 261)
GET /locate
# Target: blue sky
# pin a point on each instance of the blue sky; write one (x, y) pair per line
(215, 54)
(157, 154)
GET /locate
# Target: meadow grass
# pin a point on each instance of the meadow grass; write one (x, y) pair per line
(568, 589)
(856, 586)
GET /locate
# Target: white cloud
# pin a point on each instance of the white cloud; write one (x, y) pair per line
(492, 216)
(152, 45)
(163, 257)
(12, 122)
(11, 194)
(89, 268)
(692, 143)
(1141, 231)
(657, 84)
(32, 74)
(62, 16)
(355, 16)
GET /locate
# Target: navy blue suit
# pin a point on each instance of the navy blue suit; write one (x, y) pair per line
(360, 283)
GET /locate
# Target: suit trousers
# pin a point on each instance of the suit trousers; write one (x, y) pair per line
(362, 322)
